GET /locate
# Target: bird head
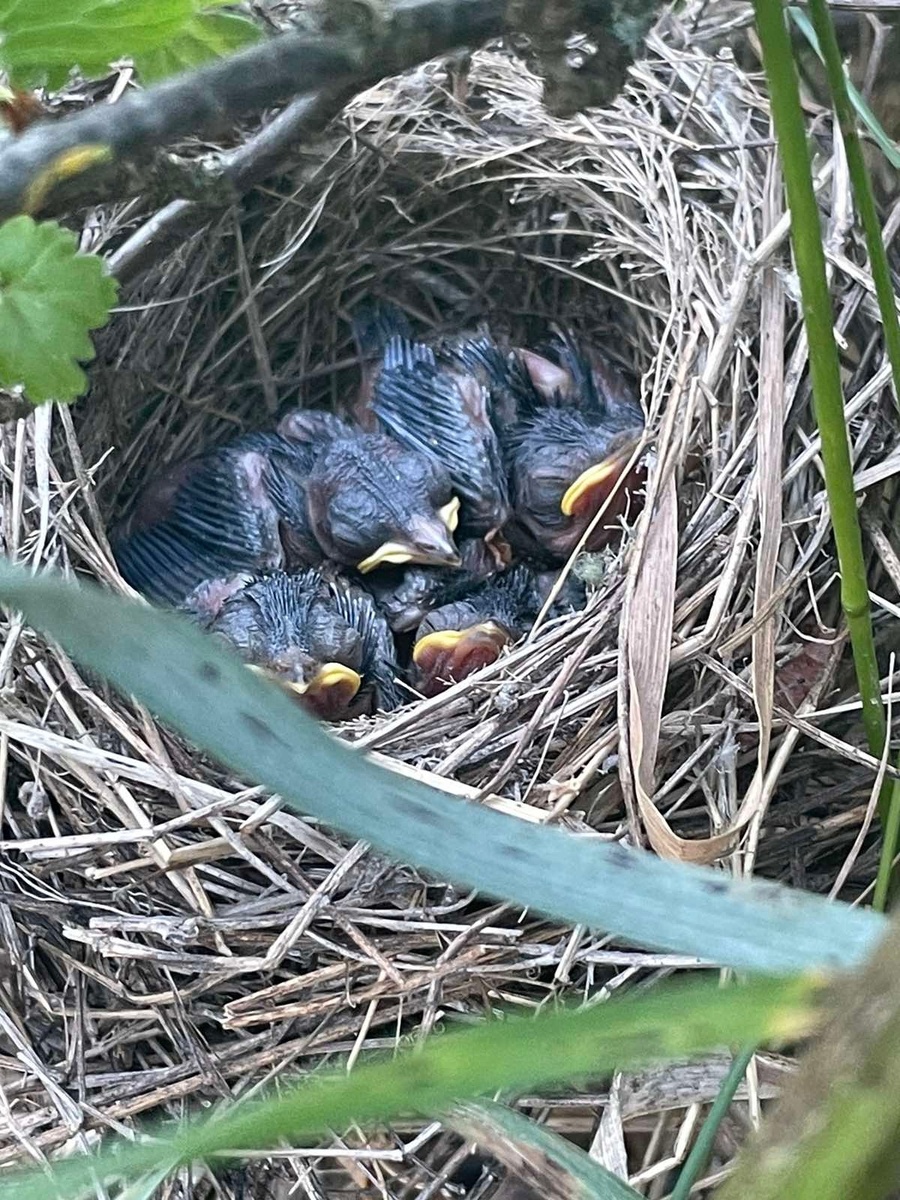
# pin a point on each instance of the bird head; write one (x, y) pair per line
(373, 503)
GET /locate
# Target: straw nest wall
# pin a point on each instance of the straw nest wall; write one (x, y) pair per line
(240, 941)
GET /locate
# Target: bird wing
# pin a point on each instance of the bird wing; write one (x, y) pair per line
(445, 414)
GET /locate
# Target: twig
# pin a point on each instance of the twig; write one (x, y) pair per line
(40, 167)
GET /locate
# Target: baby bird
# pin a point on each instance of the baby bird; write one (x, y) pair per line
(568, 425)
(469, 632)
(231, 509)
(576, 427)
(371, 501)
(320, 637)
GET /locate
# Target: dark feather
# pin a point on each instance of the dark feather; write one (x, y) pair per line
(599, 390)
(222, 514)
(379, 652)
(375, 322)
(446, 415)
(511, 600)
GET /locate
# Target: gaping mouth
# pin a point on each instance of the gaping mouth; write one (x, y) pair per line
(447, 656)
(590, 489)
(332, 680)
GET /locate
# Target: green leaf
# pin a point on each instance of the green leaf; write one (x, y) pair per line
(208, 35)
(50, 298)
(42, 40)
(553, 1167)
(679, 1020)
(888, 147)
(253, 727)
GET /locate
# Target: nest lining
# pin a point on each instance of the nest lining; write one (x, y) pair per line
(242, 941)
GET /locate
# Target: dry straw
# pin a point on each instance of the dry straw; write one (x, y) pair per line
(171, 936)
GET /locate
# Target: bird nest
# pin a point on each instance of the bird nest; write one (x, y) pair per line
(172, 935)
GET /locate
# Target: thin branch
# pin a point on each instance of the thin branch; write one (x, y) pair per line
(43, 164)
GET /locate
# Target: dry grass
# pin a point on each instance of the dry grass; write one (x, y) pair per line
(171, 936)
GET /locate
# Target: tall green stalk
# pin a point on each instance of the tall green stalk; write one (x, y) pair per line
(828, 402)
(861, 183)
(884, 290)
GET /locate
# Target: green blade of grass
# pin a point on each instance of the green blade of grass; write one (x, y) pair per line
(702, 1147)
(679, 1020)
(554, 1168)
(824, 366)
(254, 728)
(888, 148)
(826, 45)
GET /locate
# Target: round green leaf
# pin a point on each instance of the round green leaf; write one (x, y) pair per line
(51, 297)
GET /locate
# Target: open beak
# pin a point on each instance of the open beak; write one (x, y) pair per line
(590, 489)
(338, 682)
(448, 655)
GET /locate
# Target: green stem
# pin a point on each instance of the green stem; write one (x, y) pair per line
(861, 182)
(888, 852)
(884, 290)
(828, 402)
(702, 1147)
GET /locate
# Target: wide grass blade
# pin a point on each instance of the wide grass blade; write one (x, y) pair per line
(254, 728)
(677, 1021)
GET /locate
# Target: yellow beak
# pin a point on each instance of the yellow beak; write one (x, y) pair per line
(329, 675)
(589, 479)
(449, 514)
(332, 674)
(399, 553)
(390, 552)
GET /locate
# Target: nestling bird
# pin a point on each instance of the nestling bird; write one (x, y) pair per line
(319, 636)
(568, 424)
(228, 510)
(372, 502)
(471, 630)
(534, 443)
(468, 632)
